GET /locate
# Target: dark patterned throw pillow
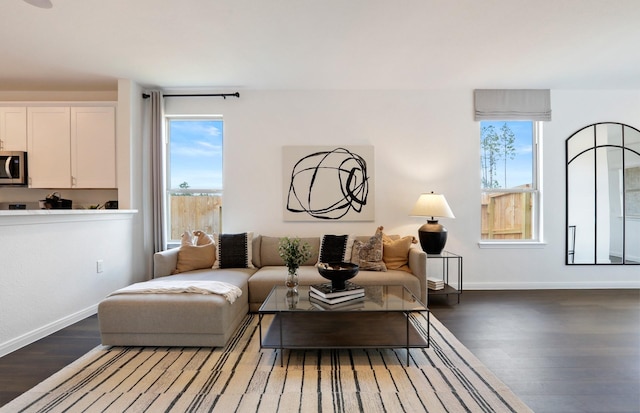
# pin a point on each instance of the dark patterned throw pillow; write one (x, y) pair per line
(233, 250)
(335, 248)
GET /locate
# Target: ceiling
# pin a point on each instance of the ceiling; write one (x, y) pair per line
(321, 44)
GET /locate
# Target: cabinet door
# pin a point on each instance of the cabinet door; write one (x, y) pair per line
(93, 147)
(13, 128)
(48, 132)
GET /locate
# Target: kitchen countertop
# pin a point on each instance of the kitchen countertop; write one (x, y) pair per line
(38, 216)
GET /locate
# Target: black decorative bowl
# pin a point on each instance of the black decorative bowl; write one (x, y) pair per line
(338, 273)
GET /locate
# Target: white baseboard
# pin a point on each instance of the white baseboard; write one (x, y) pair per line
(604, 285)
(35, 335)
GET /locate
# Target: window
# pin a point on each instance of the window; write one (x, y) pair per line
(510, 153)
(194, 175)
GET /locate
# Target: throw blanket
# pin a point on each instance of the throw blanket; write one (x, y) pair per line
(229, 291)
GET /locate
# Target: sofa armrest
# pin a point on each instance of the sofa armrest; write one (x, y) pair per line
(164, 262)
(418, 265)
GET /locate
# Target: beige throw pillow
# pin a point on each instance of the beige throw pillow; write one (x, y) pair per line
(202, 238)
(186, 238)
(193, 257)
(192, 254)
(395, 252)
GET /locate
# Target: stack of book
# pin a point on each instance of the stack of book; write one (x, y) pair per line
(435, 283)
(324, 294)
(354, 304)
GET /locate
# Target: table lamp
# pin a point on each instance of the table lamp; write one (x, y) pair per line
(433, 236)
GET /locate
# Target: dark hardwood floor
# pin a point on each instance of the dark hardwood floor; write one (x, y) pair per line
(560, 351)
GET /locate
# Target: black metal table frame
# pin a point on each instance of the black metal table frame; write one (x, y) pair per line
(445, 256)
(279, 315)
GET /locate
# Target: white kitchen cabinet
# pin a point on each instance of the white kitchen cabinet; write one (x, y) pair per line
(13, 128)
(93, 147)
(71, 147)
(48, 147)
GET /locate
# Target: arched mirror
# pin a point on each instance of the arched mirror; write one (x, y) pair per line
(603, 195)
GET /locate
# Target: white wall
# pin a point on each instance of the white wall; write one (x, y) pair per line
(424, 140)
(133, 174)
(49, 279)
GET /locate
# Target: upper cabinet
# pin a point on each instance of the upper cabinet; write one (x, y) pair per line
(49, 134)
(71, 147)
(93, 147)
(13, 128)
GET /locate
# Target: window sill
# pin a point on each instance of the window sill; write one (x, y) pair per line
(511, 244)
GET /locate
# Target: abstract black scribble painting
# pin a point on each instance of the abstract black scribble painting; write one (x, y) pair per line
(328, 183)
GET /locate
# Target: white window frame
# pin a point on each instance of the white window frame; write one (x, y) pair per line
(537, 227)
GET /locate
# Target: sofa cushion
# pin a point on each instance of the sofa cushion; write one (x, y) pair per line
(390, 277)
(335, 248)
(368, 254)
(255, 250)
(263, 281)
(269, 251)
(234, 250)
(395, 252)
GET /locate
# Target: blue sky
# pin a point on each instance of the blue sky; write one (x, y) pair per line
(196, 153)
(519, 170)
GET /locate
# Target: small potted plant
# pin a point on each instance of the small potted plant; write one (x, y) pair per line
(294, 253)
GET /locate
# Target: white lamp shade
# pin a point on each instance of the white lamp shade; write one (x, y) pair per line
(432, 205)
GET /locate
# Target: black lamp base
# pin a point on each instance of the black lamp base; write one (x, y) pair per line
(433, 237)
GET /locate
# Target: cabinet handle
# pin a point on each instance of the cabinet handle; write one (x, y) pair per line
(74, 181)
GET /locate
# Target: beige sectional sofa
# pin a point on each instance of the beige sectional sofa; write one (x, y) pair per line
(209, 319)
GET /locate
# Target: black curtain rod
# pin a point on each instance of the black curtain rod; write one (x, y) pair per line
(222, 95)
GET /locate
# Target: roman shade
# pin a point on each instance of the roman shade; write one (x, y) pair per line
(512, 104)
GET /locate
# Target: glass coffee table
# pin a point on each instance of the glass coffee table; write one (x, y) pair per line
(380, 319)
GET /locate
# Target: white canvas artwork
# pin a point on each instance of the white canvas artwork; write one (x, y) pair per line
(328, 183)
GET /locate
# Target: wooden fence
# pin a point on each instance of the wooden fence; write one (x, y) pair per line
(506, 216)
(192, 212)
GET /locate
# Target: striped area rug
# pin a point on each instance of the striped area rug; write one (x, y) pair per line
(241, 377)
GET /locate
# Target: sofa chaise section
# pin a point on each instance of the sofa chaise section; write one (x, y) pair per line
(175, 319)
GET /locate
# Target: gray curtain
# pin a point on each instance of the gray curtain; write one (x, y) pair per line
(156, 119)
(512, 104)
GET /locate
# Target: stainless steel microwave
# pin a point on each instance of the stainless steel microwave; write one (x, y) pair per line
(13, 168)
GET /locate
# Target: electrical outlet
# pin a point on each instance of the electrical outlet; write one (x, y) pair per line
(99, 264)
